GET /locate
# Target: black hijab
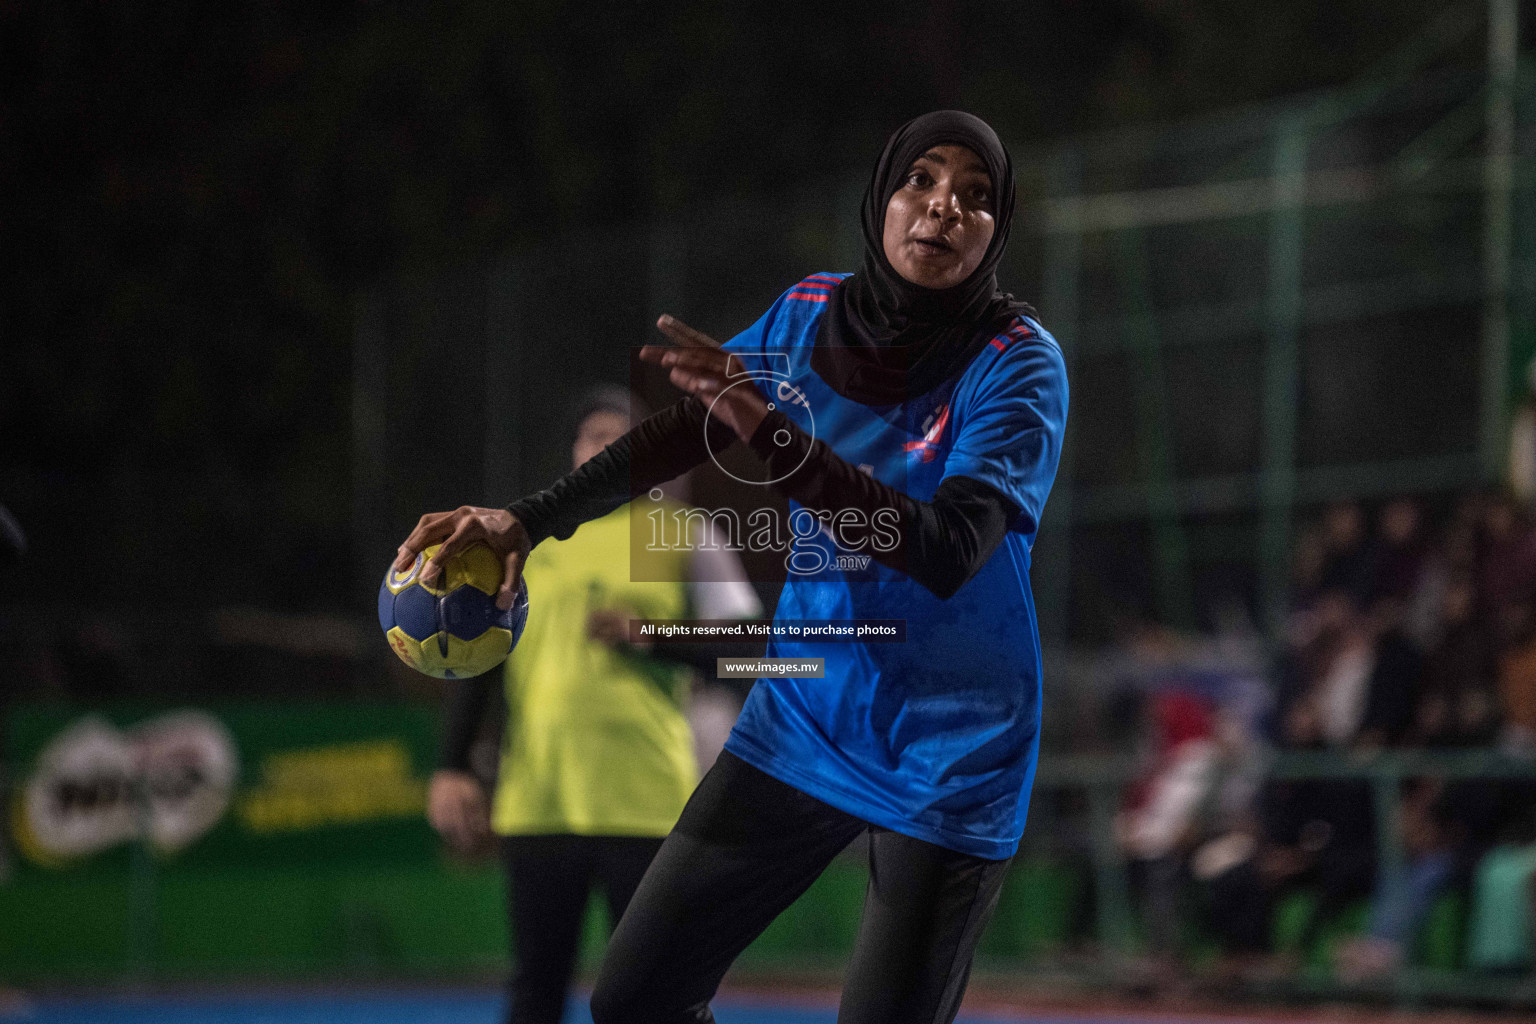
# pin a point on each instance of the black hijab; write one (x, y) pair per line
(884, 339)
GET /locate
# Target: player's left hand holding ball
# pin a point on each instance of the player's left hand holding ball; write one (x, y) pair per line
(496, 528)
(453, 604)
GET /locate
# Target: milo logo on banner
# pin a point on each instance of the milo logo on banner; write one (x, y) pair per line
(269, 782)
(166, 780)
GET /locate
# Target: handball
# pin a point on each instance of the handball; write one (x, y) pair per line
(451, 629)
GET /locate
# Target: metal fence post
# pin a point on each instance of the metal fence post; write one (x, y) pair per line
(1059, 304)
(1278, 478)
(1173, 584)
(1112, 891)
(1498, 185)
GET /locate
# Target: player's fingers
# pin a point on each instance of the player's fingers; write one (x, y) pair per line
(661, 355)
(683, 334)
(600, 622)
(445, 818)
(511, 576)
(700, 359)
(466, 528)
(703, 385)
(699, 362)
(684, 381)
(429, 529)
(406, 553)
(479, 819)
(470, 813)
(452, 826)
(691, 368)
(469, 831)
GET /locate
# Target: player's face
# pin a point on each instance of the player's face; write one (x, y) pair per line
(597, 432)
(939, 222)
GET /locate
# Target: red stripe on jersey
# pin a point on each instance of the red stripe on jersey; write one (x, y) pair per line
(828, 278)
(1018, 332)
(808, 296)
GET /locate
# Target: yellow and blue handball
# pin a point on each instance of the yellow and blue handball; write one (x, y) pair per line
(451, 629)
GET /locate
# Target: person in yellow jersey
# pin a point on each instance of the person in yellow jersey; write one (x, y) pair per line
(597, 757)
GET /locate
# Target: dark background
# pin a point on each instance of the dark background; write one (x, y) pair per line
(195, 199)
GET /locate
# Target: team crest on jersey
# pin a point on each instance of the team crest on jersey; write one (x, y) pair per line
(933, 433)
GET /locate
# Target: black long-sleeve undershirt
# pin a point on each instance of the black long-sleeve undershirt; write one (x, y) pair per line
(942, 543)
(467, 700)
(660, 448)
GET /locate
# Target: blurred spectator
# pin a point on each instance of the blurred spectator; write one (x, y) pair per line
(1517, 680)
(1399, 552)
(1522, 440)
(1317, 640)
(1456, 704)
(1355, 673)
(1309, 556)
(1347, 555)
(1400, 636)
(1506, 559)
(1499, 928)
(1452, 558)
(1313, 834)
(1201, 783)
(1161, 808)
(1392, 688)
(1433, 837)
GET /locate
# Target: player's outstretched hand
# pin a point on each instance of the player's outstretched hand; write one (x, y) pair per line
(610, 627)
(496, 528)
(701, 368)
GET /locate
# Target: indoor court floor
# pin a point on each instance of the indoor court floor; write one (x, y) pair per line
(484, 1007)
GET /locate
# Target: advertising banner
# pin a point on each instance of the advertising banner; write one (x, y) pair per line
(220, 784)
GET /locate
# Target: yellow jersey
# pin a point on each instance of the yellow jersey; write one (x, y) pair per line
(597, 741)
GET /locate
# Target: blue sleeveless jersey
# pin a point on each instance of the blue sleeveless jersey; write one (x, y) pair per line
(936, 737)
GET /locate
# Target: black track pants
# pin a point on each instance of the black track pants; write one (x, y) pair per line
(746, 847)
(548, 879)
